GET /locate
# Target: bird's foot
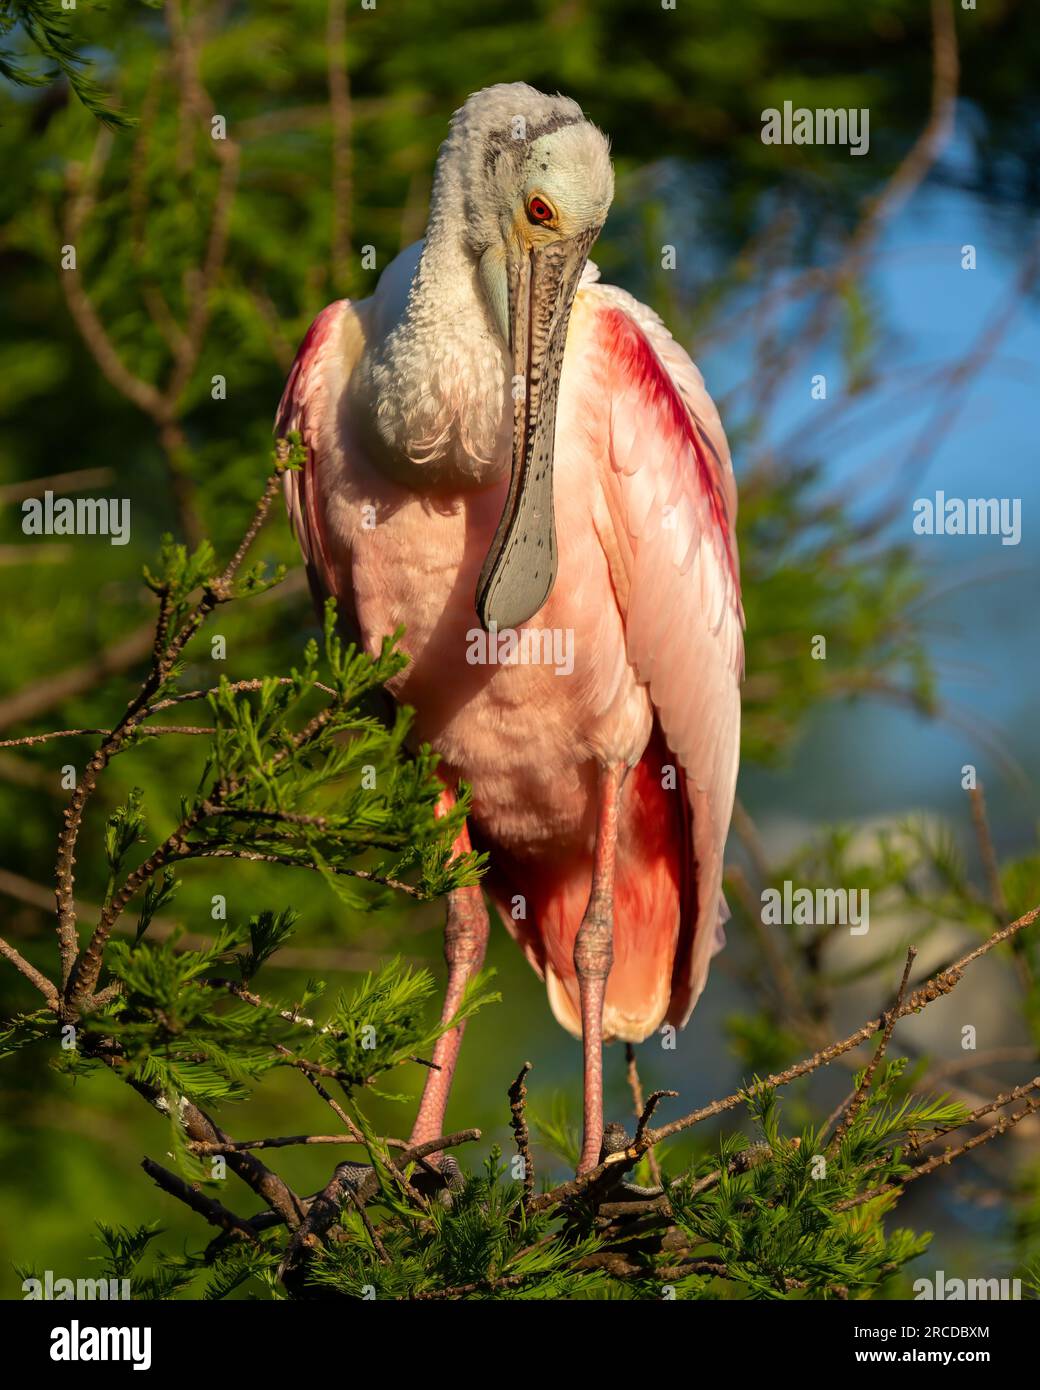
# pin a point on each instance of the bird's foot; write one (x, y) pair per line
(616, 1139)
(436, 1176)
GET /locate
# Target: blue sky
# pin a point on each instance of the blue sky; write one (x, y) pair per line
(981, 623)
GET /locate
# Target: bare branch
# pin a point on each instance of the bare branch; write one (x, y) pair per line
(202, 1147)
(518, 1122)
(79, 480)
(30, 972)
(80, 973)
(152, 730)
(934, 988)
(193, 1196)
(987, 853)
(231, 853)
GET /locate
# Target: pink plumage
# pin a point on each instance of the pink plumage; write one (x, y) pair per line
(666, 604)
(397, 508)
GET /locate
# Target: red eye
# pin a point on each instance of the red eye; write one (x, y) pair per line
(538, 210)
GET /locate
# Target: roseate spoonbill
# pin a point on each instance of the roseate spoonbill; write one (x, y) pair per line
(495, 441)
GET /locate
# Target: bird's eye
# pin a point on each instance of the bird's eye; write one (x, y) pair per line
(538, 210)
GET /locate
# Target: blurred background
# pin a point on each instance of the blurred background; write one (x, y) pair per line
(151, 371)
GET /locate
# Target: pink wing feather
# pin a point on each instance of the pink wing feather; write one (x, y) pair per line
(672, 499)
(307, 406)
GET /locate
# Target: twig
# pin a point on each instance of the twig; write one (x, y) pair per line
(1003, 1124)
(368, 1188)
(505, 1281)
(987, 853)
(198, 1126)
(373, 1234)
(653, 1100)
(778, 968)
(81, 186)
(836, 1113)
(945, 405)
(80, 480)
(636, 1087)
(934, 988)
(202, 1147)
(333, 1104)
(747, 833)
(937, 132)
(30, 972)
(908, 176)
(191, 1195)
(40, 897)
(645, 1115)
(860, 1094)
(325, 1208)
(1020, 1052)
(987, 1109)
(254, 684)
(154, 730)
(940, 984)
(518, 1121)
(229, 852)
(744, 1161)
(80, 972)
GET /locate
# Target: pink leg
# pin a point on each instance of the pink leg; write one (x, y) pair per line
(465, 941)
(593, 957)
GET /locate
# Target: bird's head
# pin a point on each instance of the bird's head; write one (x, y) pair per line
(535, 183)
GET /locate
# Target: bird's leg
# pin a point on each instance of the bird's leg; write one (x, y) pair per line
(593, 957)
(465, 941)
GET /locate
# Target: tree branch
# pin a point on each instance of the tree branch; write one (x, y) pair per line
(936, 987)
(192, 1195)
(31, 974)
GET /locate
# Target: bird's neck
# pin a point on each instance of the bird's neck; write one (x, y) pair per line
(439, 377)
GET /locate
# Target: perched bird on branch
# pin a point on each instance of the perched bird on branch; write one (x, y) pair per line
(523, 469)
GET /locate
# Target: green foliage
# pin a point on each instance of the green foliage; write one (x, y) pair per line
(178, 573)
(268, 931)
(683, 108)
(158, 893)
(22, 1030)
(384, 1022)
(779, 1218)
(172, 1276)
(178, 1033)
(124, 830)
(778, 1227)
(269, 772)
(172, 1021)
(481, 1246)
(45, 24)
